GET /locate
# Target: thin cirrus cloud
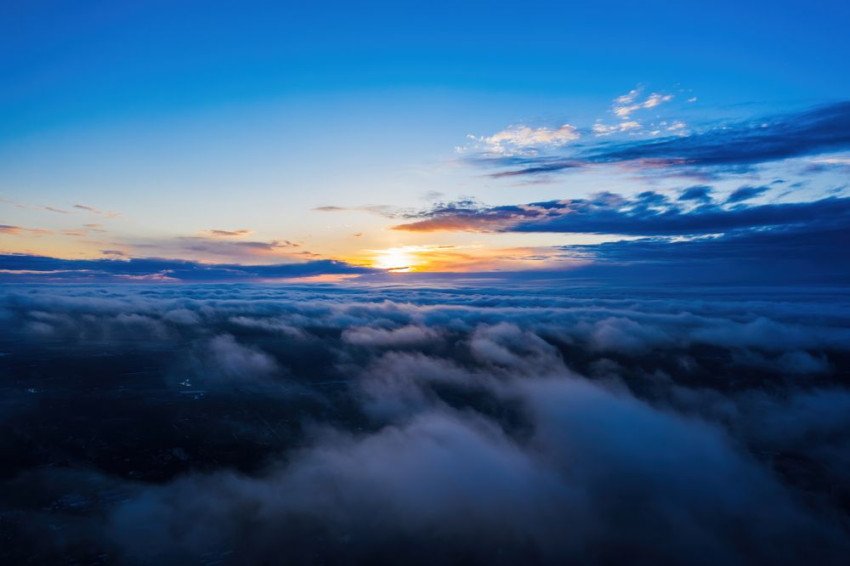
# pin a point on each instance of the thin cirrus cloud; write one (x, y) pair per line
(217, 233)
(12, 230)
(97, 211)
(222, 247)
(626, 105)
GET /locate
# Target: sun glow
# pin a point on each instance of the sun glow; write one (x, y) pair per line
(395, 259)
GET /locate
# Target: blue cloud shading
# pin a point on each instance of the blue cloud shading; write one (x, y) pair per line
(647, 214)
(814, 131)
(746, 193)
(18, 267)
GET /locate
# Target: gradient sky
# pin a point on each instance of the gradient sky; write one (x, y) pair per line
(474, 136)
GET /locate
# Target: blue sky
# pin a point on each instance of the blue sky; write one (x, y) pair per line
(271, 133)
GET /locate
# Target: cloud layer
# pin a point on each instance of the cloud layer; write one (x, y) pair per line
(251, 424)
(23, 267)
(725, 146)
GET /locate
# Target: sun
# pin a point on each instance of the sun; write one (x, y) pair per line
(398, 260)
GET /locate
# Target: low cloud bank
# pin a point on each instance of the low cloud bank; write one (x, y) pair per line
(260, 424)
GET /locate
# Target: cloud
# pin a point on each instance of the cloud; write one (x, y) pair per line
(730, 147)
(745, 193)
(22, 205)
(691, 236)
(801, 254)
(223, 360)
(405, 336)
(698, 193)
(227, 233)
(384, 210)
(259, 423)
(93, 210)
(12, 230)
(601, 129)
(217, 248)
(648, 213)
(521, 139)
(215, 245)
(626, 105)
(30, 267)
(809, 132)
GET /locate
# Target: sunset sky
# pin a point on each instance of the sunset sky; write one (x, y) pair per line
(474, 137)
(425, 283)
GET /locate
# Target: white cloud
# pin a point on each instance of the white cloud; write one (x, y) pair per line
(601, 129)
(677, 126)
(525, 139)
(625, 105)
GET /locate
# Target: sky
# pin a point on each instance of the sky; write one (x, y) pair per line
(425, 282)
(205, 140)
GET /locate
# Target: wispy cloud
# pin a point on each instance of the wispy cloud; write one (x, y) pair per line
(601, 129)
(22, 205)
(229, 246)
(13, 230)
(99, 212)
(385, 210)
(626, 105)
(227, 233)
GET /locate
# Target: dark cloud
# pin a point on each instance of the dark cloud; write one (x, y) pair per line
(648, 213)
(742, 194)
(256, 424)
(798, 254)
(41, 268)
(698, 193)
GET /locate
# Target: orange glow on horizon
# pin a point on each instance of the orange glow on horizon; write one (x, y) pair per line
(458, 259)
